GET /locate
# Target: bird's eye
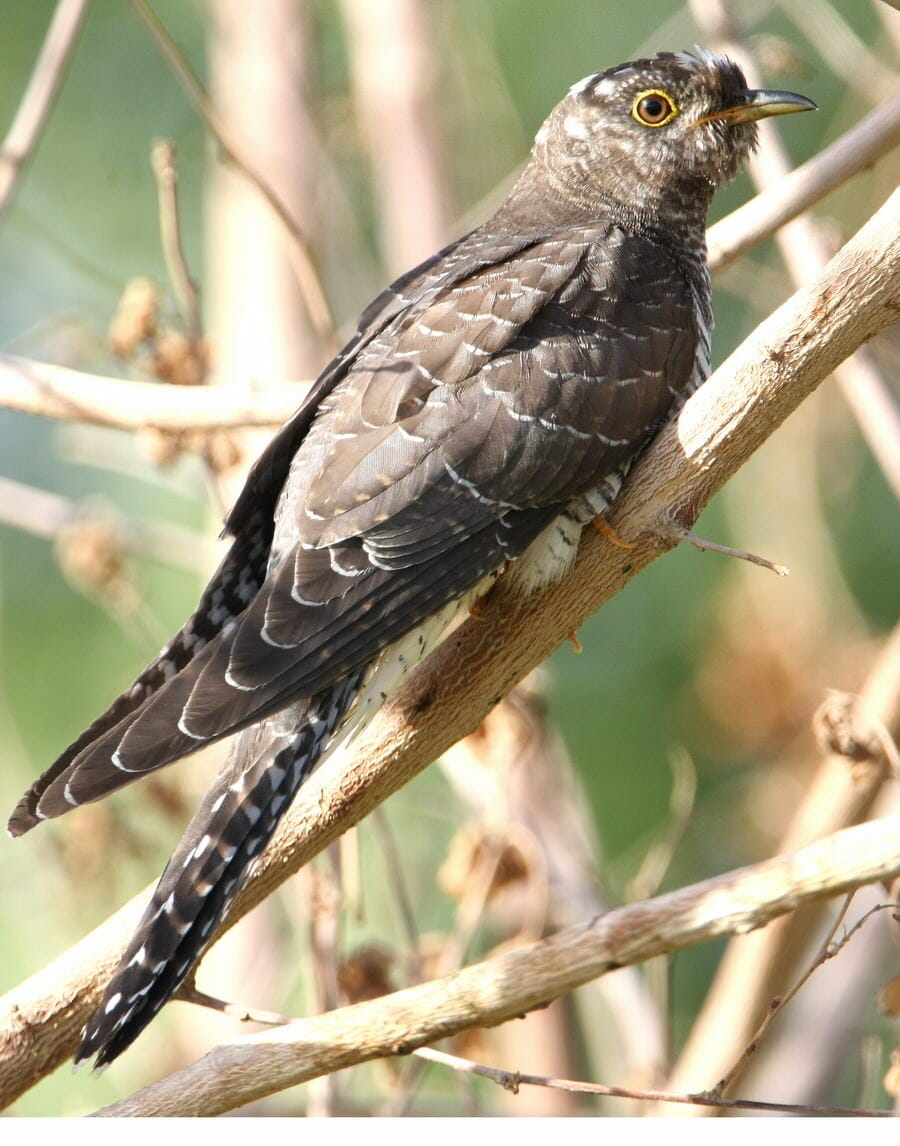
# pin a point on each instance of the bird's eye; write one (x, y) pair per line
(654, 109)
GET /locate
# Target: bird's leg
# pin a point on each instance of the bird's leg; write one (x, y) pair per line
(476, 610)
(602, 526)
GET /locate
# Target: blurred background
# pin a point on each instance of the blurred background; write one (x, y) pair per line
(677, 745)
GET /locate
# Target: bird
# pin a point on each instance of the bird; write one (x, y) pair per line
(488, 407)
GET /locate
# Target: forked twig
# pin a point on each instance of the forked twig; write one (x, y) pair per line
(827, 951)
(512, 1080)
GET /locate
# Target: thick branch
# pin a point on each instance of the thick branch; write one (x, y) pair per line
(486, 994)
(856, 296)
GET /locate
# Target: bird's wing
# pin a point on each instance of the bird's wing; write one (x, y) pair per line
(251, 521)
(457, 435)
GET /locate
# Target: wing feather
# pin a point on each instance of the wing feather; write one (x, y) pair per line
(476, 401)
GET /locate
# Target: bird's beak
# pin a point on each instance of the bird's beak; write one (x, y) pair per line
(759, 105)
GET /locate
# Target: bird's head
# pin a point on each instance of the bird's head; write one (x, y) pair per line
(656, 134)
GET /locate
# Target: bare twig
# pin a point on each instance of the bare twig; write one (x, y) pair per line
(656, 862)
(845, 53)
(842, 792)
(777, 1005)
(512, 1080)
(828, 950)
(677, 531)
(190, 993)
(307, 275)
(397, 880)
(447, 697)
(247, 1068)
(162, 159)
(40, 94)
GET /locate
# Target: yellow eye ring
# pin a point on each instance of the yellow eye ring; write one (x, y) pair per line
(654, 108)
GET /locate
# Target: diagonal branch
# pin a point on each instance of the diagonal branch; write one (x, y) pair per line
(805, 253)
(856, 296)
(247, 1068)
(877, 135)
(40, 95)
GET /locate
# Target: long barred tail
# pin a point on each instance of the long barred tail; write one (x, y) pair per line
(267, 765)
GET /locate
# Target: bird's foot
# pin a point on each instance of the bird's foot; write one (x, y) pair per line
(603, 526)
(476, 610)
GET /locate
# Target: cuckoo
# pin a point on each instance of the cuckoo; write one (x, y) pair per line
(488, 406)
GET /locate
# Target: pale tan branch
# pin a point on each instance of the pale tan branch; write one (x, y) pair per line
(875, 136)
(500, 988)
(57, 392)
(40, 95)
(728, 418)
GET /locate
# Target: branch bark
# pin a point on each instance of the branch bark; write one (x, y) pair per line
(767, 377)
(501, 988)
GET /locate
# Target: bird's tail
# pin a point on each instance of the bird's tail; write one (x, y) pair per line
(268, 764)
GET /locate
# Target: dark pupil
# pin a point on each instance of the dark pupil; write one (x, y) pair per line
(653, 109)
